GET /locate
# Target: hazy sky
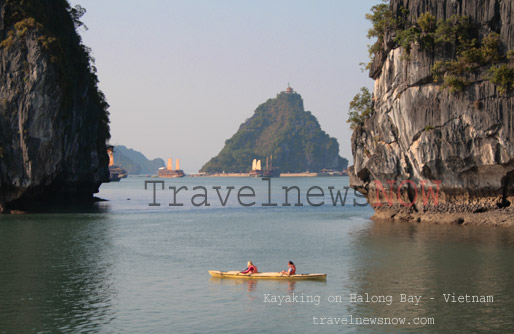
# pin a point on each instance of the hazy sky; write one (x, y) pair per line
(181, 76)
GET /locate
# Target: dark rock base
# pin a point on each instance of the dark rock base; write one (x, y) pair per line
(503, 217)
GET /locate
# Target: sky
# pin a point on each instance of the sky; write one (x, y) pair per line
(181, 76)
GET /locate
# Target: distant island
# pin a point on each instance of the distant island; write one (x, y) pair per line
(135, 162)
(282, 129)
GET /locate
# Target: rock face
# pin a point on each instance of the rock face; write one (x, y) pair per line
(53, 118)
(419, 131)
(282, 128)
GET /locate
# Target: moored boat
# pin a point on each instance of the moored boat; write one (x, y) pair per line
(270, 171)
(168, 171)
(256, 170)
(268, 275)
(116, 173)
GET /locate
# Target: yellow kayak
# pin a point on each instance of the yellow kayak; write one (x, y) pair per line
(270, 275)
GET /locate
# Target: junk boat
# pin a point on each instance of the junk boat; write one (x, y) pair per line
(168, 171)
(116, 173)
(269, 171)
(256, 168)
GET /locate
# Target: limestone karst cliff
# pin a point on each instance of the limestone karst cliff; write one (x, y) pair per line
(53, 118)
(459, 131)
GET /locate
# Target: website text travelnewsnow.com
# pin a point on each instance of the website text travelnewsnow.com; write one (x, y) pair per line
(352, 320)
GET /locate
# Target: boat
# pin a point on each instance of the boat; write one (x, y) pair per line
(330, 172)
(116, 173)
(269, 275)
(168, 171)
(270, 171)
(256, 168)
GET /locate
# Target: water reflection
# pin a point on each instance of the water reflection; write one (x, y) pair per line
(250, 285)
(429, 261)
(290, 286)
(247, 284)
(55, 273)
(63, 205)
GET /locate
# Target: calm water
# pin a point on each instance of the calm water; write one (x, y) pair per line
(132, 268)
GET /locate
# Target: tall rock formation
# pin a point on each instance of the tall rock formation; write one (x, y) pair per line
(419, 130)
(281, 128)
(53, 118)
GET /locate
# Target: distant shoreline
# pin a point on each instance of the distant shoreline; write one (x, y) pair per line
(304, 174)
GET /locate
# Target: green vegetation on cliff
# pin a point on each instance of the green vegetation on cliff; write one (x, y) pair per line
(282, 128)
(55, 23)
(464, 48)
(54, 120)
(360, 108)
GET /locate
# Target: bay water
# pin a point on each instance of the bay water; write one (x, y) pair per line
(127, 267)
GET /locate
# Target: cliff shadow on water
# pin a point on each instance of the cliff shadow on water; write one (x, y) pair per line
(56, 273)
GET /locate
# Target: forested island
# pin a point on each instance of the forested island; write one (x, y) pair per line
(135, 162)
(280, 128)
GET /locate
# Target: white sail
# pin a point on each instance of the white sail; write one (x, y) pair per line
(254, 164)
(178, 164)
(258, 167)
(170, 164)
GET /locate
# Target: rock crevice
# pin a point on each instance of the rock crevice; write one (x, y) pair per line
(419, 131)
(53, 118)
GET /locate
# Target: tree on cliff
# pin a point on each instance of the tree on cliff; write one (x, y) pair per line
(54, 121)
(464, 48)
(360, 108)
(441, 113)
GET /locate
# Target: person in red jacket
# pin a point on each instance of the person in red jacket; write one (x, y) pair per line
(291, 270)
(251, 269)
